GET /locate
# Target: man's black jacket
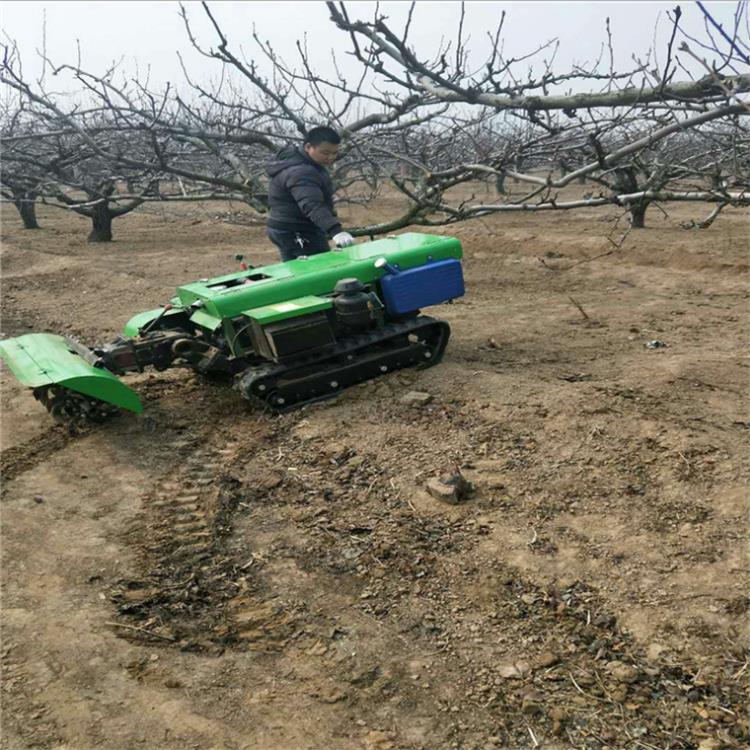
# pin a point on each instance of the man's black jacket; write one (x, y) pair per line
(300, 194)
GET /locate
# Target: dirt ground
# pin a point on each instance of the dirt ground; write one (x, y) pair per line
(209, 576)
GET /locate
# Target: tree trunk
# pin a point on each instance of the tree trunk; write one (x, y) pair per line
(638, 215)
(500, 184)
(626, 181)
(101, 218)
(518, 167)
(26, 205)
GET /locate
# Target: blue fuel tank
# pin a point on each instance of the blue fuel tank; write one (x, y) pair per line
(431, 284)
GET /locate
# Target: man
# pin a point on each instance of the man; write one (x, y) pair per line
(300, 196)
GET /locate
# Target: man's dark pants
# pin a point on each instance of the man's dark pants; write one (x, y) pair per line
(294, 242)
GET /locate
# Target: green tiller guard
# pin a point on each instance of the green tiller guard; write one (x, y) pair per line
(46, 359)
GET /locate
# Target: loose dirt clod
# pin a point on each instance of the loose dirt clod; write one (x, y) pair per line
(416, 398)
(447, 493)
(450, 488)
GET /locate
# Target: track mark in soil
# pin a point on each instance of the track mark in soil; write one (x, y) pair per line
(21, 458)
(193, 591)
(20, 695)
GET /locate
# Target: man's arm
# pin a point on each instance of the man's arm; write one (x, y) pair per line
(307, 193)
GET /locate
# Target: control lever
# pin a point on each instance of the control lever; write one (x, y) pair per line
(241, 260)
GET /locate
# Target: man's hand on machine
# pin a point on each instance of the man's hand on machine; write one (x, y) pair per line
(342, 239)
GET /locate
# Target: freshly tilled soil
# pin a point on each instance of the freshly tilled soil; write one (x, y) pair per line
(210, 575)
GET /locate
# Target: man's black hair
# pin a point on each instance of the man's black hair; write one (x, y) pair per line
(322, 134)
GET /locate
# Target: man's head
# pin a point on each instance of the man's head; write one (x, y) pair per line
(322, 145)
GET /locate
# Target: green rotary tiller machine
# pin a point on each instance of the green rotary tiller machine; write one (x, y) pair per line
(289, 334)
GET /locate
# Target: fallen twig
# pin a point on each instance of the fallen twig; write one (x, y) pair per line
(533, 738)
(142, 630)
(616, 245)
(579, 308)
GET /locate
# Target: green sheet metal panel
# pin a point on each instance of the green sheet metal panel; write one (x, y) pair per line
(39, 359)
(207, 289)
(138, 321)
(205, 320)
(288, 309)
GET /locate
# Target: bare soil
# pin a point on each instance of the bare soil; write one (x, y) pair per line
(206, 575)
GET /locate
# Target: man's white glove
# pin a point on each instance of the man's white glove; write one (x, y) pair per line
(343, 239)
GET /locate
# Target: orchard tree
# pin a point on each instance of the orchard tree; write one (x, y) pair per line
(423, 125)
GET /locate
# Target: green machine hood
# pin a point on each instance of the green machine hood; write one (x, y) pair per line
(233, 294)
